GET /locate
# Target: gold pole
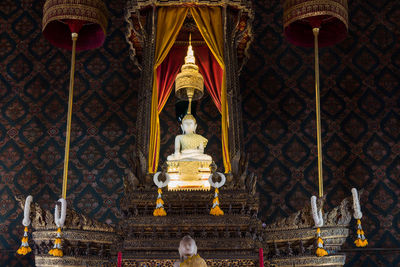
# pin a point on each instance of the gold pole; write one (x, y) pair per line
(190, 93)
(69, 115)
(318, 111)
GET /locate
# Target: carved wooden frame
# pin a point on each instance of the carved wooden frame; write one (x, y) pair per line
(233, 12)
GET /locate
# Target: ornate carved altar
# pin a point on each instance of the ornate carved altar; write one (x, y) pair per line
(230, 240)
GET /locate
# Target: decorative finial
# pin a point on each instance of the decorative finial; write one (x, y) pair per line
(189, 83)
(189, 59)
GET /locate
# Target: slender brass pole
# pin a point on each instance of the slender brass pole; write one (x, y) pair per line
(190, 93)
(69, 115)
(318, 111)
(190, 106)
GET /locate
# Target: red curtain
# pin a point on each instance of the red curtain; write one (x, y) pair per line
(211, 71)
(166, 74)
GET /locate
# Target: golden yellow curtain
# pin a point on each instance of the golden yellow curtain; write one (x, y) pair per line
(169, 23)
(209, 21)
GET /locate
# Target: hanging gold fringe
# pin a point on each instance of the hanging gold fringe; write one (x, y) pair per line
(216, 210)
(24, 248)
(361, 240)
(321, 252)
(56, 251)
(159, 210)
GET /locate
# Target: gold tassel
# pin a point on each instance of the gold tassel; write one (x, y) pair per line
(361, 240)
(215, 200)
(24, 248)
(56, 251)
(321, 252)
(159, 210)
(216, 210)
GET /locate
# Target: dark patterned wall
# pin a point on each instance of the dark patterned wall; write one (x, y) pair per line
(34, 80)
(360, 113)
(360, 102)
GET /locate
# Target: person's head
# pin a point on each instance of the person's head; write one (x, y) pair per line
(187, 247)
(189, 124)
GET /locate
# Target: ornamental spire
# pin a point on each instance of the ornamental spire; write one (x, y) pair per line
(189, 59)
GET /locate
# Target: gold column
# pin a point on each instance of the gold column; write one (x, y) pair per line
(69, 115)
(318, 114)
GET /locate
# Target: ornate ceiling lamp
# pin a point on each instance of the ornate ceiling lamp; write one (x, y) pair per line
(314, 23)
(63, 20)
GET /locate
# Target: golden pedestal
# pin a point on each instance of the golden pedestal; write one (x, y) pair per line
(189, 175)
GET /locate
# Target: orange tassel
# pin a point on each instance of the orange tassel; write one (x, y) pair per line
(361, 240)
(56, 251)
(24, 248)
(216, 210)
(159, 210)
(320, 252)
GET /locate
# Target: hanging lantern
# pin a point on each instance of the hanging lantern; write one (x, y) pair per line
(86, 17)
(300, 17)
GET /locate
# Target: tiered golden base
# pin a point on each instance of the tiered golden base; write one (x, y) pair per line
(189, 175)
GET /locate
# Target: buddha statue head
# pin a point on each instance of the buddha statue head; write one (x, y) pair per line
(187, 247)
(189, 124)
(188, 254)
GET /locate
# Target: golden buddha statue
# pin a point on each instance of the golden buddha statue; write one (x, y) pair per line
(188, 254)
